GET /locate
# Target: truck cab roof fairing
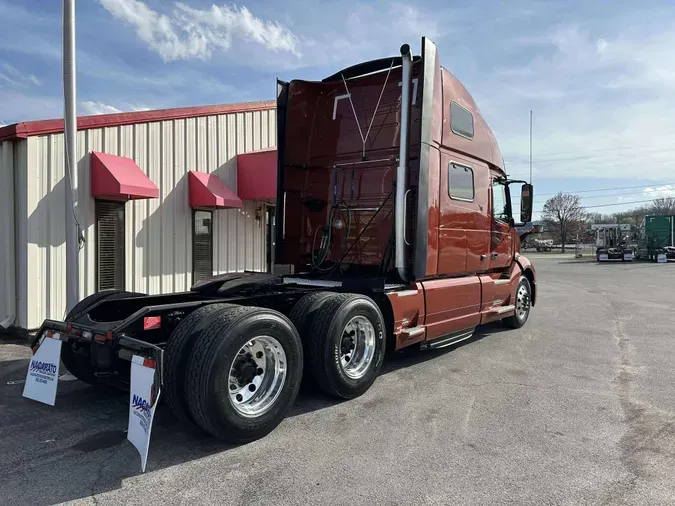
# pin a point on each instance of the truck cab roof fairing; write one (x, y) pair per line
(369, 67)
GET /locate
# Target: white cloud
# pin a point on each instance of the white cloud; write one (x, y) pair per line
(604, 103)
(90, 107)
(324, 34)
(667, 190)
(188, 33)
(11, 76)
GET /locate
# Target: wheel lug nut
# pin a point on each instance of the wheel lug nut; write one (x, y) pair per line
(259, 354)
(233, 387)
(239, 398)
(259, 371)
(251, 387)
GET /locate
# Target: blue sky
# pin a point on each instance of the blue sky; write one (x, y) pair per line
(599, 76)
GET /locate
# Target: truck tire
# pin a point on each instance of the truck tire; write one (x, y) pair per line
(176, 355)
(304, 310)
(523, 304)
(345, 345)
(244, 373)
(79, 365)
(302, 316)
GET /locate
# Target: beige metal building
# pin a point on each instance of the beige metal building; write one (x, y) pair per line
(165, 198)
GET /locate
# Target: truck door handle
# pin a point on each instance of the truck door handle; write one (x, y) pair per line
(483, 257)
(494, 256)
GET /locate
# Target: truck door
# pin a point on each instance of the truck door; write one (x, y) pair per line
(501, 247)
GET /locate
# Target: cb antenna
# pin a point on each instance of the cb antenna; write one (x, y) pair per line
(530, 146)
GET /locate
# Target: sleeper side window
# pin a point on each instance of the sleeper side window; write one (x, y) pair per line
(461, 120)
(460, 182)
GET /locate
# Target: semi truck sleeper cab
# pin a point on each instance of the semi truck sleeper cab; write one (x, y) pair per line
(394, 228)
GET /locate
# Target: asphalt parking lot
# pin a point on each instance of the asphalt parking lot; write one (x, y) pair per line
(578, 407)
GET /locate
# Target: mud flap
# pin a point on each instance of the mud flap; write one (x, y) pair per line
(143, 396)
(42, 377)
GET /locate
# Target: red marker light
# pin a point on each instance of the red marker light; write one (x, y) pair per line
(152, 322)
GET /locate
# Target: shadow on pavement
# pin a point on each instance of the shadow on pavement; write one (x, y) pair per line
(78, 448)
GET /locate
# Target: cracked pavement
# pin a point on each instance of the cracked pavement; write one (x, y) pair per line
(578, 407)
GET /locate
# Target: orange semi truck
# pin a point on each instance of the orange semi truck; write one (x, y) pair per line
(394, 228)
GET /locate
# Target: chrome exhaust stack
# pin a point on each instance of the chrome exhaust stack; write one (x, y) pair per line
(402, 170)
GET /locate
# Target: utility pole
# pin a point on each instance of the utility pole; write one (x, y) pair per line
(530, 146)
(70, 156)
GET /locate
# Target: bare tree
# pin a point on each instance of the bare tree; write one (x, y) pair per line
(662, 207)
(564, 215)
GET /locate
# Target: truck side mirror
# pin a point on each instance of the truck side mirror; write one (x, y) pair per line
(526, 193)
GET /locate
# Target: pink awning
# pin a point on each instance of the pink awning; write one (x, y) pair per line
(207, 190)
(257, 175)
(119, 178)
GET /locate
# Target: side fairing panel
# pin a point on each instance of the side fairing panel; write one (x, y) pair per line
(452, 304)
(282, 101)
(408, 308)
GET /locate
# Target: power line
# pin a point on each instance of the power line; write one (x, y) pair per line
(646, 194)
(603, 189)
(606, 165)
(601, 196)
(622, 203)
(618, 204)
(577, 151)
(630, 158)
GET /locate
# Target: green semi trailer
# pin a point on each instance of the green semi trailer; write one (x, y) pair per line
(657, 238)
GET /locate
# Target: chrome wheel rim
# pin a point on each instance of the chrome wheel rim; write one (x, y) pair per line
(257, 375)
(522, 302)
(357, 347)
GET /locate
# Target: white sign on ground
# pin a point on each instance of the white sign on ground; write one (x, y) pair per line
(42, 377)
(603, 256)
(142, 403)
(661, 258)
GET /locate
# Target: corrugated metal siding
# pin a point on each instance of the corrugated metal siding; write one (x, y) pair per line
(158, 231)
(7, 234)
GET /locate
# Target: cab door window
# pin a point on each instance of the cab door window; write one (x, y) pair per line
(501, 210)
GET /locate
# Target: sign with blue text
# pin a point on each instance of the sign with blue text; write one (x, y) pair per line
(42, 377)
(143, 397)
